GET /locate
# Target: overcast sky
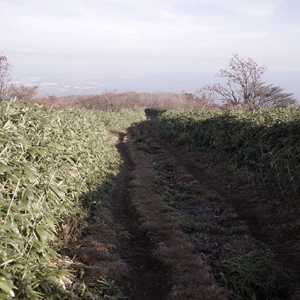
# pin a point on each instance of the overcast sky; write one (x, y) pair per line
(148, 36)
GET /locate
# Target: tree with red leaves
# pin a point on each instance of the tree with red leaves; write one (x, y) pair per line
(244, 86)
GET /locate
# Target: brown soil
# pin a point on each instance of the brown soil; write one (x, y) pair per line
(154, 256)
(144, 281)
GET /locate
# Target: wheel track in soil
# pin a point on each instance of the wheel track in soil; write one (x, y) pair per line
(147, 279)
(286, 260)
(157, 254)
(144, 282)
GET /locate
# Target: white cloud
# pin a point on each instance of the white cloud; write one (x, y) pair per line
(253, 8)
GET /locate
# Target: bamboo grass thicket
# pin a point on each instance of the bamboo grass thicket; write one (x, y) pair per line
(264, 142)
(51, 162)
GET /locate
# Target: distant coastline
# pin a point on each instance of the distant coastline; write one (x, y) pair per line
(84, 84)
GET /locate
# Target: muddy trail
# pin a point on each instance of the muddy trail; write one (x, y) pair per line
(182, 230)
(143, 281)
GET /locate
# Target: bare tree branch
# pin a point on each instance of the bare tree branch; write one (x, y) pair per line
(244, 86)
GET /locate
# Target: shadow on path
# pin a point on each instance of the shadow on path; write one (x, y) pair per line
(143, 281)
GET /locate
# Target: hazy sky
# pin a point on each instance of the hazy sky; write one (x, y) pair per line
(148, 36)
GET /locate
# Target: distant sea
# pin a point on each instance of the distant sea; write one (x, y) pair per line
(83, 84)
(80, 84)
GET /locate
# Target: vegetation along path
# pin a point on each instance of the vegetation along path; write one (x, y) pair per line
(182, 229)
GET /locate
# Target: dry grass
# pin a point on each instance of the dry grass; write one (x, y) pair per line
(95, 251)
(112, 101)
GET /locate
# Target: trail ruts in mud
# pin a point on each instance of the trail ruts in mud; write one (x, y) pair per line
(217, 218)
(162, 263)
(179, 222)
(231, 208)
(144, 281)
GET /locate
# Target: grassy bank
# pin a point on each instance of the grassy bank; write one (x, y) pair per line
(263, 143)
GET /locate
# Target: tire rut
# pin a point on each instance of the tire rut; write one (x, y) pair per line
(143, 281)
(287, 263)
(147, 277)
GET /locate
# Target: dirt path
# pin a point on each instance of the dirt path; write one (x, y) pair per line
(182, 230)
(143, 281)
(162, 263)
(260, 218)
